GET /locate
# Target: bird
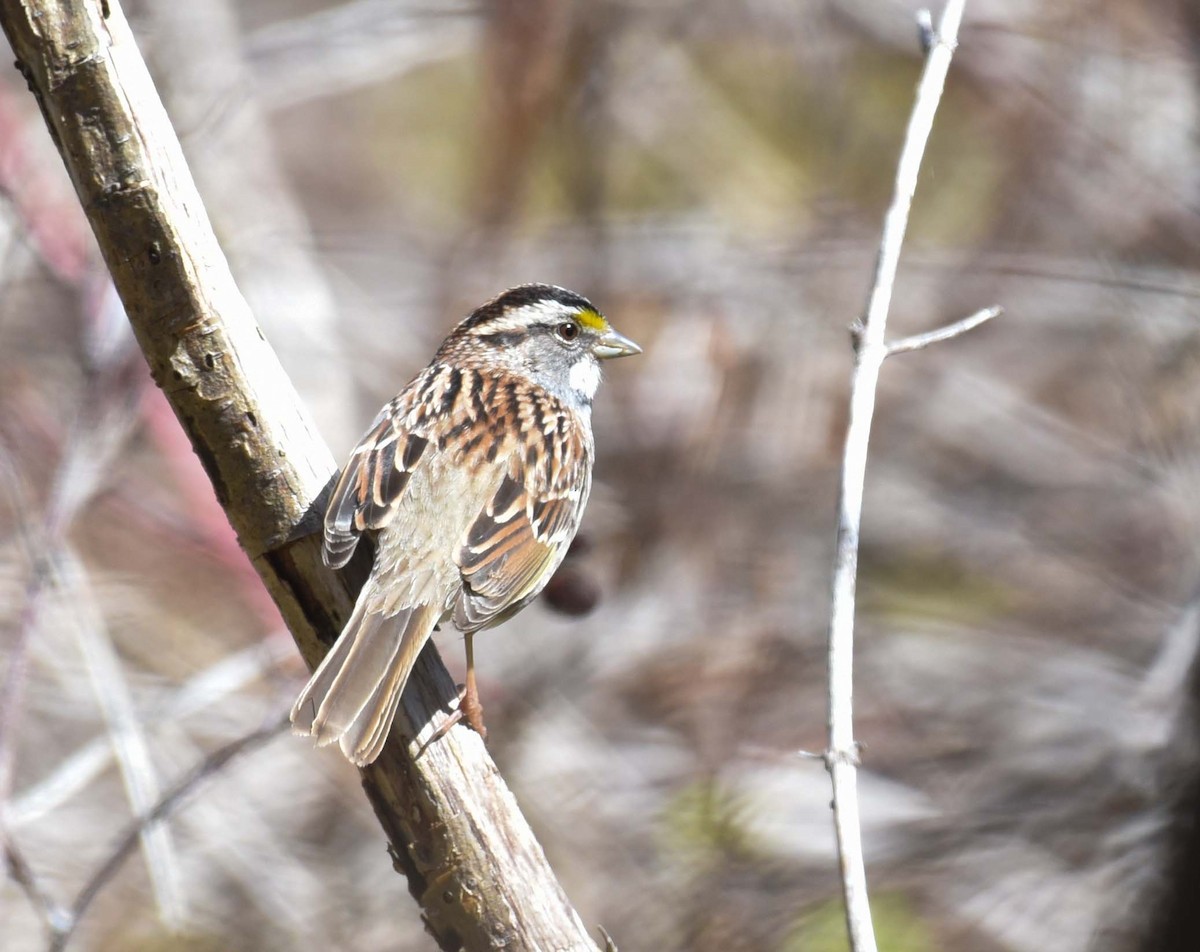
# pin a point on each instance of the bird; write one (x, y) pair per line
(472, 481)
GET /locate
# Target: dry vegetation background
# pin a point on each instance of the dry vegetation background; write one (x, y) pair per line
(713, 175)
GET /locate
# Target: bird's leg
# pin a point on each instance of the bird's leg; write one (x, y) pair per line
(469, 709)
(469, 705)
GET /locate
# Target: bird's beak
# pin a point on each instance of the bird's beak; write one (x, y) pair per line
(611, 344)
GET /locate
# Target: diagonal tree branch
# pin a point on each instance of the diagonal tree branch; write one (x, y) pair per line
(453, 826)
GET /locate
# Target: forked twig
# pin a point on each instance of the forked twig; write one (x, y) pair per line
(871, 348)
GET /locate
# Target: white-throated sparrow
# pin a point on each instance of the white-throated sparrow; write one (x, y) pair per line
(474, 479)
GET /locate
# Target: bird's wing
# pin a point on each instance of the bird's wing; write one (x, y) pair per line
(368, 488)
(518, 540)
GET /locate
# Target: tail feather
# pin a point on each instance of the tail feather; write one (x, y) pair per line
(363, 740)
(353, 695)
(304, 711)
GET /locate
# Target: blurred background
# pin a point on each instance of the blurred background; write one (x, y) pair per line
(713, 175)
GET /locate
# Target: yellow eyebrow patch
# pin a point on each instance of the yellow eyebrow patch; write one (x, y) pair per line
(592, 320)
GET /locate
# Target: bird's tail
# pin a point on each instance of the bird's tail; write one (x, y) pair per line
(353, 695)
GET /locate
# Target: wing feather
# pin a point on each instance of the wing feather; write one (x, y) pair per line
(365, 495)
(514, 545)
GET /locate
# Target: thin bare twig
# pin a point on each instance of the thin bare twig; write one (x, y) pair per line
(919, 341)
(52, 914)
(126, 734)
(12, 686)
(103, 422)
(206, 688)
(167, 804)
(841, 757)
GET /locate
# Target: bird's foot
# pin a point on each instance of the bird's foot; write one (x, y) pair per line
(469, 710)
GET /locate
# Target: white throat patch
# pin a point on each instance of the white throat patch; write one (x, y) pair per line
(584, 377)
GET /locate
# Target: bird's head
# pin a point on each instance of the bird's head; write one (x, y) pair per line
(553, 336)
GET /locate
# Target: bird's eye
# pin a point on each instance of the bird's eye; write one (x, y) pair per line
(567, 330)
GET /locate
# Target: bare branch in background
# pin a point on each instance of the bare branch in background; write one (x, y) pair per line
(205, 690)
(354, 44)
(104, 419)
(54, 916)
(170, 801)
(127, 735)
(841, 757)
(209, 92)
(454, 828)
